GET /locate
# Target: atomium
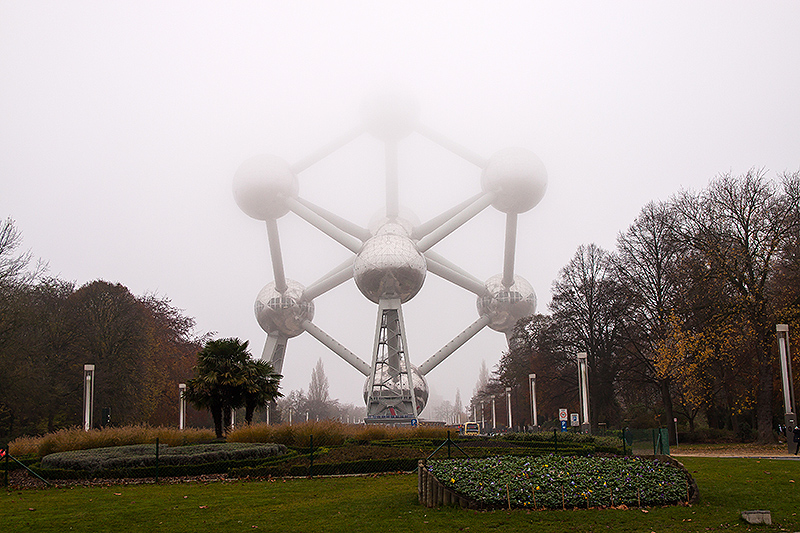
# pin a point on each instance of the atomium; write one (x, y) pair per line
(392, 257)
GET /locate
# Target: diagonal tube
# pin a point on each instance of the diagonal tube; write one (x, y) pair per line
(343, 238)
(427, 227)
(336, 347)
(332, 279)
(484, 201)
(511, 243)
(327, 150)
(465, 282)
(452, 146)
(275, 254)
(454, 344)
(343, 224)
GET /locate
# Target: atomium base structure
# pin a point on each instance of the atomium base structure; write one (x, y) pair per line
(391, 259)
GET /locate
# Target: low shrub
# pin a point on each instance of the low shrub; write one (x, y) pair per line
(142, 455)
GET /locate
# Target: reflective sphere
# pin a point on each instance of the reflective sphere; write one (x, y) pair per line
(389, 265)
(260, 185)
(519, 178)
(417, 379)
(505, 306)
(283, 313)
(390, 114)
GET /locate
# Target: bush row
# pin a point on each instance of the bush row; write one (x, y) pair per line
(143, 455)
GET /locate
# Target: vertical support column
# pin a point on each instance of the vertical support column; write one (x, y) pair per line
(483, 419)
(583, 391)
(391, 395)
(785, 355)
(88, 396)
(181, 405)
(534, 413)
(508, 401)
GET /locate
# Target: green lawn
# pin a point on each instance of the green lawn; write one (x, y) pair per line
(389, 503)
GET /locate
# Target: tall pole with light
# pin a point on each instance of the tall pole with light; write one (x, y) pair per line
(88, 396)
(181, 405)
(508, 402)
(534, 414)
(583, 391)
(785, 354)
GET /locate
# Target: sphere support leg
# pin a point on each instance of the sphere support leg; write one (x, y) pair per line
(390, 392)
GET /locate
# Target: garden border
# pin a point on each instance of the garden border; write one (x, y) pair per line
(432, 493)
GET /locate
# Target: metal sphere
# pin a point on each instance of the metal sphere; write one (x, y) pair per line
(417, 380)
(389, 266)
(390, 114)
(261, 184)
(518, 176)
(506, 305)
(283, 312)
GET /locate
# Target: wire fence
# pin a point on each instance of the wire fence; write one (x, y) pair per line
(155, 462)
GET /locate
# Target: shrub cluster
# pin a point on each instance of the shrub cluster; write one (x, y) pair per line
(330, 433)
(140, 455)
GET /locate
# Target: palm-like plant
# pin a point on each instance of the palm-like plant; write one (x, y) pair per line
(226, 377)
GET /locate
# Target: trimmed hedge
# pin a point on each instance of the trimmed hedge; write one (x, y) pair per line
(366, 466)
(139, 460)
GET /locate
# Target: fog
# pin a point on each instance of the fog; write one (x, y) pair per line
(123, 123)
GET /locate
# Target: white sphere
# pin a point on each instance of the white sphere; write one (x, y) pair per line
(283, 312)
(506, 305)
(389, 266)
(261, 184)
(390, 114)
(417, 379)
(518, 176)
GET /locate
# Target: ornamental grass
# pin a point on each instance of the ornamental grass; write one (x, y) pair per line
(77, 439)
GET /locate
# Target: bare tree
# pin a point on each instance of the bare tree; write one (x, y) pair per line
(741, 225)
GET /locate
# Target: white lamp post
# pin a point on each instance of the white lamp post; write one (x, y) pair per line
(508, 401)
(88, 396)
(534, 414)
(583, 391)
(181, 405)
(785, 354)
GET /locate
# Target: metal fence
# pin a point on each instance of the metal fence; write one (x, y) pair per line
(156, 462)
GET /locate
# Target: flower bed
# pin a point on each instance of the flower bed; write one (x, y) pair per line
(556, 482)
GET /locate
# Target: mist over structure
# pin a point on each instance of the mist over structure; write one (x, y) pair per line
(392, 256)
(122, 123)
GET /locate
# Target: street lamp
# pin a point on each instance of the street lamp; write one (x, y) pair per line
(508, 401)
(181, 405)
(88, 396)
(534, 415)
(583, 390)
(789, 416)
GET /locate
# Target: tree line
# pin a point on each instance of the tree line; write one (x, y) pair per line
(141, 347)
(678, 321)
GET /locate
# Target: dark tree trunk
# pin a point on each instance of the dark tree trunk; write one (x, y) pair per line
(764, 400)
(216, 413)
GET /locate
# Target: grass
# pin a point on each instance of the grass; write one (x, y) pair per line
(361, 504)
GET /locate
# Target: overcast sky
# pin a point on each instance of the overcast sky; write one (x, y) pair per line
(122, 124)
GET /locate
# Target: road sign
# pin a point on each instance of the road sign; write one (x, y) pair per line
(563, 426)
(574, 420)
(562, 415)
